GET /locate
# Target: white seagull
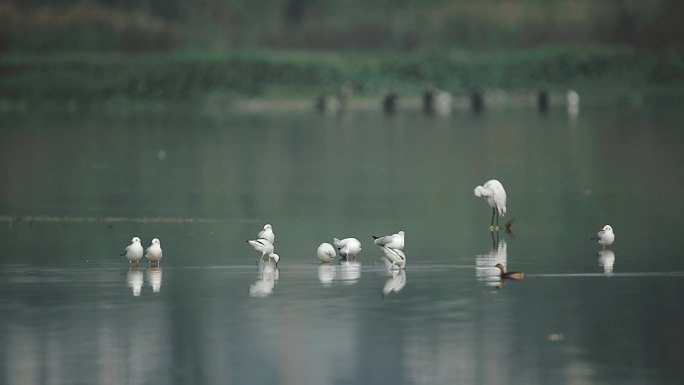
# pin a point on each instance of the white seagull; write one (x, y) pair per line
(395, 257)
(267, 234)
(326, 252)
(605, 236)
(493, 191)
(266, 248)
(134, 251)
(348, 247)
(154, 251)
(394, 241)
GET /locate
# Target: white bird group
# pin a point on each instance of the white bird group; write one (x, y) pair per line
(348, 248)
(391, 245)
(134, 251)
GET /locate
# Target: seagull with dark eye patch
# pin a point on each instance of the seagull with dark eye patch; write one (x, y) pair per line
(265, 248)
(605, 236)
(134, 251)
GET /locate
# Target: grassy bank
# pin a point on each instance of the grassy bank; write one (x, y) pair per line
(167, 78)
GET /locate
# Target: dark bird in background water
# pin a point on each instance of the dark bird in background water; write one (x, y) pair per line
(509, 275)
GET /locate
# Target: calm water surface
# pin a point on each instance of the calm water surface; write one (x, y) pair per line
(77, 188)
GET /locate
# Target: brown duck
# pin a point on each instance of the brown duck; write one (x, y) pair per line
(509, 275)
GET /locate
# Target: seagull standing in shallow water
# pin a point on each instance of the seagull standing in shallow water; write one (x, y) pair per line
(326, 252)
(134, 251)
(348, 247)
(495, 194)
(154, 251)
(392, 246)
(605, 236)
(266, 248)
(395, 257)
(267, 234)
(394, 241)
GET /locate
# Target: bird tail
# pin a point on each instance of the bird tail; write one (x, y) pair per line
(375, 236)
(122, 254)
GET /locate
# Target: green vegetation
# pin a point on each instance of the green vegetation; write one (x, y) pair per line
(219, 25)
(159, 52)
(197, 77)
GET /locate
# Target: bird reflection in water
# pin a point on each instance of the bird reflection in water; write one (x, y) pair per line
(326, 273)
(485, 264)
(606, 260)
(395, 282)
(267, 276)
(134, 280)
(349, 272)
(154, 278)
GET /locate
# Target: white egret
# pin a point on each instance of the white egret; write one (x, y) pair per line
(495, 194)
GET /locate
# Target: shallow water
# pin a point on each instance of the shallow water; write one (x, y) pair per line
(77, 188)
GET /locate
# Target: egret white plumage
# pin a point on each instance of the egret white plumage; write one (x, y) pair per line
(265, 248)
(326, 252)
(495, 194)
(348, 247)
(394, 241)
(605, 236)
(267, 234)
(134, 251)
(154, 251)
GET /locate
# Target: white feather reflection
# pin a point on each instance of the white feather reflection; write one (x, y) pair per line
(484, 264)
(395, 283)
(606, 260)
(326, 274)
(349, 272)
(134, 280)
(154, 278)
(267, 276)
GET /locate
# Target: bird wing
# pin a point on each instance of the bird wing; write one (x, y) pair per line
(382, 241)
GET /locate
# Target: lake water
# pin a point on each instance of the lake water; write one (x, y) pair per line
(76, 188)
